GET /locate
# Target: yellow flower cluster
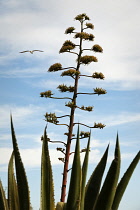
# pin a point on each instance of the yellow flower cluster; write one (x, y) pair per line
(90, 25)
(85, 36)
(99, 91)
(70, 72)
(51, 117)
(99, 125)
(97, 48)
(65, 88)
(55, 67)
(98, 75)
(84, 134)
(82, 17)
(69, 30)
(70, 104)
(46, 94)
(67, 46)
(88, 108)
(87, 59)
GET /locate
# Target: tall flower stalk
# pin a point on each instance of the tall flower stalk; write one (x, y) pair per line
(75, 73)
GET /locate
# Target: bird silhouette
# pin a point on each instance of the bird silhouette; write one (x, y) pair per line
(31, 51)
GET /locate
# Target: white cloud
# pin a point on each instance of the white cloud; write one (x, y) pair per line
(128, 156)
(52, 83)
(27, 31)
(100, 143)
(5, 137)
(23, 73)
(34, 138)
(21, 114)
(5, 154)
(32, 157)
(28, 25)
(122, 118)
(114, 119)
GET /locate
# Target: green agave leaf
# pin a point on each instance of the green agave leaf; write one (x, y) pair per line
(3, 200)
(13, 198)
(22, 183)
(74, 195)
(47, 187)
(84, 174)
(108, 190)
(60, 206)
(94, 183)
(124, 182)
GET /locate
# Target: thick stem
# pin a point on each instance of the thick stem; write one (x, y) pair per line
(71, 124)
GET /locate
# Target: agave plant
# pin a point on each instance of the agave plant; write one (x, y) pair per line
(81, 196)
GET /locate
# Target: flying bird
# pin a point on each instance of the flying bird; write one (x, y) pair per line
(31, 51)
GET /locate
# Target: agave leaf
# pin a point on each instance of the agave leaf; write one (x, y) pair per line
(108, 190)
(3, 200)
(13, 198)
(84, 174)
(60, 206)
(94, 183)
(22, 183)
(74, 195)
(47, 187)
(124, 182)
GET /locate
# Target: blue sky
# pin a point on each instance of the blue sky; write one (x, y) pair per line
(35, 24)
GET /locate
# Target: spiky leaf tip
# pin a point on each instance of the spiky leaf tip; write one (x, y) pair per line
(98, 75)
(55, 67)
(47, 185)
(88, 59)
(84, 172)
(97, 48)
(22, 182)
(106, 196)
(82, 17)
(94, 183)
(69, 30)
(74, 194)
(121, 187)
